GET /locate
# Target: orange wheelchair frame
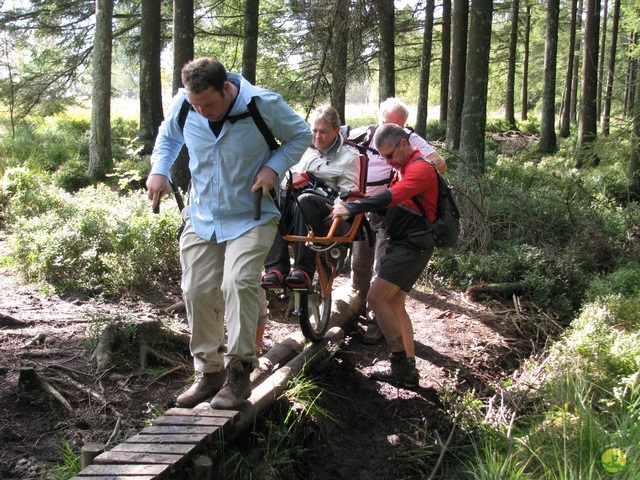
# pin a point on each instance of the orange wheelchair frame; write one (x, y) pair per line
(313, 305)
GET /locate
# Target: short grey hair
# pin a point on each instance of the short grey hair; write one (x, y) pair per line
(389, 134)
(393, 104)
(328, 114)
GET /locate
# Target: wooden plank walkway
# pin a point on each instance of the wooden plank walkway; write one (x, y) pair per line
(165, 449)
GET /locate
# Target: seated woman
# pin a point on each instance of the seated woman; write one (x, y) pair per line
(335, 164)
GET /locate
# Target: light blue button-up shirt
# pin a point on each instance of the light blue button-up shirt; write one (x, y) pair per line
(223, 168)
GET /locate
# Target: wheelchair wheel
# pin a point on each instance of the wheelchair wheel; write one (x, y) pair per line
(314, 310)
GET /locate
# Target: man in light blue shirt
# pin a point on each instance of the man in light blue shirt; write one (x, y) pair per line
(222, 247)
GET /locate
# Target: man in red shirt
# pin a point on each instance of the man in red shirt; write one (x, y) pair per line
(413, 193)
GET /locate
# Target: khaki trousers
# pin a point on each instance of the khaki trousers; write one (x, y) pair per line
(220, 280)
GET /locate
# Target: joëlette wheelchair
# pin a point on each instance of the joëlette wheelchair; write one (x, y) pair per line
(313, 305)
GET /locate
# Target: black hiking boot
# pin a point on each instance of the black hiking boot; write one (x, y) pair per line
(401, 371)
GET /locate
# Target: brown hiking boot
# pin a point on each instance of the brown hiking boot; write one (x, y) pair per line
(401, 372)
(205, 386)
(236, 389)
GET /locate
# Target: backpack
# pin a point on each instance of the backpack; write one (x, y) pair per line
(446, 228)
(253, 112)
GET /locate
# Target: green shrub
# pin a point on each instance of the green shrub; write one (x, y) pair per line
(97, 241)
(73, 175)
(625, 281)
(26, 194)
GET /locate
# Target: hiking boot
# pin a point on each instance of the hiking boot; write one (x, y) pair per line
(373, 334)
(401, 371)
(236, 389)
(205, 386)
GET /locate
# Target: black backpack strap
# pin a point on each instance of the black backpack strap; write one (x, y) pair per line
(182, 115)
(262, 125)
(416, 198)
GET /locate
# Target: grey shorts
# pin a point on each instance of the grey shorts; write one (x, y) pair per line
(402, 264)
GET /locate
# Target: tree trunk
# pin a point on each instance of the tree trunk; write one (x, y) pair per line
(588, 120)
(250, 48)
(510, 115)
(183, 51)
(565, 117)
(573, 112)
(606, 108)
(338, 58)
(100, 155)
(183, 36)
(601, 62)
(386, 51)
(459, 28)
(425, 69)
(634, 160)
(445, 62)
(150, 79)
(525, 66)
(547, 120)
(630, 88)
(474, 112)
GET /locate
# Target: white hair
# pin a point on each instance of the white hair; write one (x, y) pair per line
(393, 104)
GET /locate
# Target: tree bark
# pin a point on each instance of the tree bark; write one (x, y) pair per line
(547, 120)
(386, 51)
(338, 59)
(250, 48)
(565, 117)
(630, 88)
(573, 112)
(425, 69)
(510, 116)
(183, 51)
(100, 155)
(183, 36)
(634, 160)
(150, 78)
(601, 62)
(459, 29)
(587, 131)
(606, 107)
(445, 62)
(474, 112)
(525, 66)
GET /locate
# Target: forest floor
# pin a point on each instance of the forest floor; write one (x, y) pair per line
(461, 342)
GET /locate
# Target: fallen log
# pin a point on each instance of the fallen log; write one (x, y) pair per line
(482, 291)
(274, 386)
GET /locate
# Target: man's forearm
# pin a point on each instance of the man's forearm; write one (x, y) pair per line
(369, 204)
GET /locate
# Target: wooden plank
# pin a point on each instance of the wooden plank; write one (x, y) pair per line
(198, 421)
(135, 458)
(119, 470)
(194, 438)
(231, 415)
(170, 448)
(177, 429)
